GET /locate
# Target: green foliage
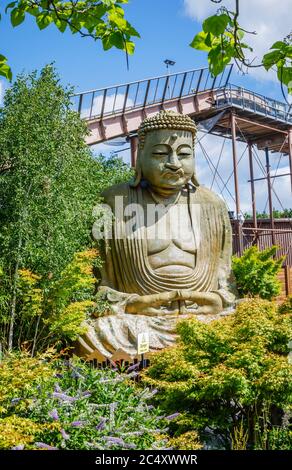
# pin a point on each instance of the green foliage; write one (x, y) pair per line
(280, 438)
(256, 273)
(284, 214)
(227, 374)
(186, 441)
(69, 405)
(19, 375)
(223, 38)
(97, 19)
(280, 57)
(18, 431)
(49, 184)
(55, 314)
(286, 306)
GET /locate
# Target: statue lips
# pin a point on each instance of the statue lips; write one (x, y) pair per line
(177, 174)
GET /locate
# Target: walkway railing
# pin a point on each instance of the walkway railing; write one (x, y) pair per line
(102, 102)
(255, 102)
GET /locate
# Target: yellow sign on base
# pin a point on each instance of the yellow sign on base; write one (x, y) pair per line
(143, 343)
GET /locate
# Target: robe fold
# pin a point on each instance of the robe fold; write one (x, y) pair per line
(127, 271)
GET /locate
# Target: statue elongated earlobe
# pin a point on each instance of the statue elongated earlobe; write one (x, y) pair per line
(138, 173)
(194, 180)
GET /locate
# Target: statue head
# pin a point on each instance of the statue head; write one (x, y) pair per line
(165, 155)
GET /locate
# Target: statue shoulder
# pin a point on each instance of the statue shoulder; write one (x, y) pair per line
(120, 189)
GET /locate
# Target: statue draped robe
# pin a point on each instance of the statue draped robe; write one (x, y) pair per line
(127, 272)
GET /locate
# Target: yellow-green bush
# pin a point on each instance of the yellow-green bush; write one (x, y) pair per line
(256, 272)
(16, 430)
(186, 441)
(19, 375)
(230, 370)
(55, 311)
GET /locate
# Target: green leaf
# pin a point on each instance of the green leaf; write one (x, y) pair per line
(271, 58)
(117, 40)
(17, 16)
(43, 20)
(216, 24)
(117, 20)
(129, 47)
(199, 42)
(107, 43)
(278, 45)
(10, 5)
(131, 31)
(5, 71)
(240, 34)
(3, 58)
(218, 60)
(208, 40)
(285, 75)
(61, 25)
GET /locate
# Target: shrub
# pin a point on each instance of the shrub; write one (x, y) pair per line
(227, 373)
(256, 273)
(49, 183)
(70, 405)
(55, 314)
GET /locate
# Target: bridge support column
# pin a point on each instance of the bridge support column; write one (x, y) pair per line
(236, 185)
(134, 150)
(252, 187)
(268, 167)
(290, 153)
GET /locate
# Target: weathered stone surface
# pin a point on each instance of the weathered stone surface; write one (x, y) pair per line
(173, 258)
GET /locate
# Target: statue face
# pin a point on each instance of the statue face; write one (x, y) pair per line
(167, 158)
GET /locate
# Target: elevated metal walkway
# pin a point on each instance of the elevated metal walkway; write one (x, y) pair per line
(118, 110)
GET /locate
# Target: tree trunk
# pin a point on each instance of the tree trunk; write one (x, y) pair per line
(13, 299)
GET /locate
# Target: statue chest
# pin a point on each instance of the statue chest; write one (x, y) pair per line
(172, 241)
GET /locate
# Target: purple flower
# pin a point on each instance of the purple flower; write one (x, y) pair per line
(153, 392)
(78, 424)
(64, 434)
(173, 416)
(75, 374)
(129, 445)
(133, 367)
(63, 396)
(42, 445)
(57, 388)
(14, 401)
(19, 447)
(54, 414)
(101, 424)
(86, 394)
(58, 376)
(114, 440)
(133, 374)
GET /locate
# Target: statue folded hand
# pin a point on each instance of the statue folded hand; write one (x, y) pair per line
(206, 302)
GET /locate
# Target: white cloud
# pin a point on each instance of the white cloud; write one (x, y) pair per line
(271, 20)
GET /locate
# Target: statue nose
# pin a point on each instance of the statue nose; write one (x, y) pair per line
(173, 163)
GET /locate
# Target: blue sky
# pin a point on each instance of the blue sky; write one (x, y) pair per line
(166, 28)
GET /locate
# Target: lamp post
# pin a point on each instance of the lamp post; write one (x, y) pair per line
(168, 64)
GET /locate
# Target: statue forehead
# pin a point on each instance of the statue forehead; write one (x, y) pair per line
(169, 136)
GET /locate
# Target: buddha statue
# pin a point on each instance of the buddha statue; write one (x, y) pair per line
(167, 246)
